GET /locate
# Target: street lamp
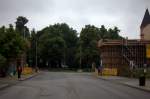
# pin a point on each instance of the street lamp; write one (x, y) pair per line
(80, 57)
(36, 67)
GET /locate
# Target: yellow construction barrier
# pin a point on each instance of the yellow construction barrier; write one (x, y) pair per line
(109, 72)
(27, 70)
(148, 50)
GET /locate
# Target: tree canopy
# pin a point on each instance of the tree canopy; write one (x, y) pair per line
(71, 47)
(57, 44)
(54, 45)
(21, 28)
(12, 45)
(89, 37)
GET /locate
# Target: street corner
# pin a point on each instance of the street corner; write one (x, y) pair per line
(28, 76)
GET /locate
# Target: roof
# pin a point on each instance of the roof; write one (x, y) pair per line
(146, 19)
(122, 42)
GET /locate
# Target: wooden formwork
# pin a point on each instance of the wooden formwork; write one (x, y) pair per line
(123, 54)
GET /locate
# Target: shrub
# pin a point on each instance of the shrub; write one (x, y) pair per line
(2, 66)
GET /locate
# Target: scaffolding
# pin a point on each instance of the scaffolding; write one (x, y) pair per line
(123, 54)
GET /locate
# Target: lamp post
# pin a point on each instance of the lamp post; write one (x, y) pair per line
(36, 67)
(80, 58)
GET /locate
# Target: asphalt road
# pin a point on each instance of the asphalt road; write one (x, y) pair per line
(60, 85)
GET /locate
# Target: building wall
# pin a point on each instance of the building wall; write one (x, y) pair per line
(112, 57)
(146, 32)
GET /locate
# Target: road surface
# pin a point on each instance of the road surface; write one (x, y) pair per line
(61, 85)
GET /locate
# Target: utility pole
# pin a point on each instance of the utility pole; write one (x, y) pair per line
(24, 32)
(80, 57)
(36, 68)
(80, 53)
(23, 62)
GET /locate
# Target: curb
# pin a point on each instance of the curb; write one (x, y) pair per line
(146, 90)
(11, 84)
(26, 78)
(4, 86)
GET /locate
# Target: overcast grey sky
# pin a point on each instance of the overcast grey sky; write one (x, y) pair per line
(126, 14)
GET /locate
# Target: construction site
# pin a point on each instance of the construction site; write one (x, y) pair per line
(125, 55)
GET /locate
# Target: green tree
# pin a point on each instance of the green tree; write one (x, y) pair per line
(2, 65)
(67, 34)
(87, 46)
(21, 28)
(2, 61)
(88, 41)
(11, 45)
(53, 51)
(103, 33)
(31, 53)
(70, 37)
(114, 33)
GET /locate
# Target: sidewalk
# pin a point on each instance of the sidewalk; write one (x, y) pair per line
(131, 82)
(9, 81)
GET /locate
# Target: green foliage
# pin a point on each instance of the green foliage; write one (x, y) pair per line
(32, 51)
(58, 42)
(88, 41)
(54, 48)
(89, 36)
(11, 43)
(109, 33)
(73, 48)
(21, 21)
(2, 61)
(21, 28)
(3, 66)
(113, 33)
